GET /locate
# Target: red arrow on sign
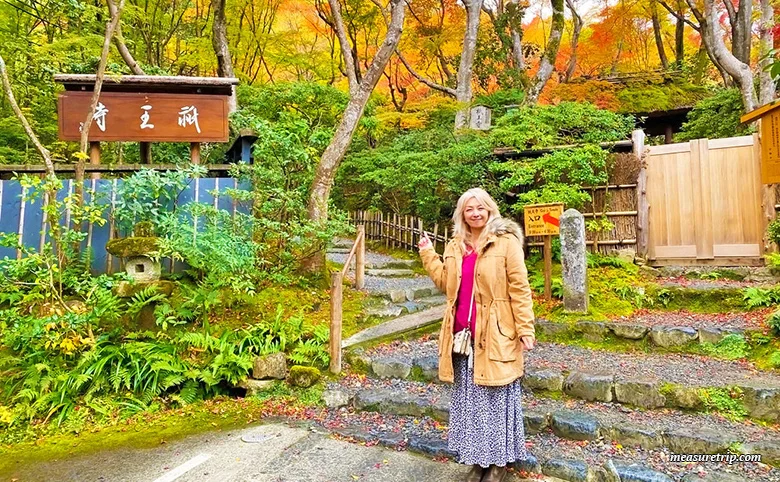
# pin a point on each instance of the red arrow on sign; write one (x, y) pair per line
(549, 219)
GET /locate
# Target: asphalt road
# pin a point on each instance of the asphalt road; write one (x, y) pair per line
(273, 452)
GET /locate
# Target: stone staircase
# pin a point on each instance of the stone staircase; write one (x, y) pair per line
(590, 414)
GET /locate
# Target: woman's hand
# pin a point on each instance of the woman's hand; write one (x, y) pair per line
(425, 242)
(528, 342)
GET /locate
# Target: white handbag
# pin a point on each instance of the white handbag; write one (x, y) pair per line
(461, 342)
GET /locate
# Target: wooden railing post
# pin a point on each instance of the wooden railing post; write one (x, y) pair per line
(360, 258)
(643, 207)
(336, 298)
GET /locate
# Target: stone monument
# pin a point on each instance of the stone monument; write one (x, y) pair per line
(574, 262)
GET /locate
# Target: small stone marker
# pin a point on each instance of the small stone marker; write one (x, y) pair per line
(574, 262)
(480, 118)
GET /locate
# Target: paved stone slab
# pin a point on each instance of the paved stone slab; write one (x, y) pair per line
(397, 326)
(390, 273)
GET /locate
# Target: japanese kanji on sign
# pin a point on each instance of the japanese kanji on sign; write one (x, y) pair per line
(542, 219)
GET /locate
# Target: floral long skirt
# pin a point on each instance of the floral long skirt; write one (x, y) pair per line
(486, 423)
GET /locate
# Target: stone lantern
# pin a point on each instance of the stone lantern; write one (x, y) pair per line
(137, 253)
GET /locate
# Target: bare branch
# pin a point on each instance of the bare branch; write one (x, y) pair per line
(429, 83)
(23, 120)
(677, 15)
(119, 40)
(346, 48)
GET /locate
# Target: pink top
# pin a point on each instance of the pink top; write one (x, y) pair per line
(464, 295)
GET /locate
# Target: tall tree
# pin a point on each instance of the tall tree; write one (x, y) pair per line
(575, 39)
(547, 62)
(659, 42)
(359, 92)
(220, 42)
(463, 90)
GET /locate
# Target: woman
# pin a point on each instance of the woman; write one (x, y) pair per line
(486, 282)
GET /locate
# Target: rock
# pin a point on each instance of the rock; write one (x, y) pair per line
(762, 275)
(143, 269)
(628, 331)
(397, 296)
(335, 398)
(529, 465)
(390, 439)
(429, 365)
(640, 393)
(566, 469)
(574, 425)
(589, 386)
(626, 254)
(388, 401)
(430, 445)
(126, 289)
(630, 435)
(534, 421)
(547, 379)
(638, 473)
(713, 477)
(304, 377)
(715, 334)
(673, 336)
(592, 330)
(769, 450)
(440, 409)
(358, 359)
(417, 293)
(695, 441)
(679, 396)
(391, 368)
(391, 311)
(649, 271)
(390, 273)
(574, 262)
(480, 118)
(762, 402)
(551, 328)
(253, 387)
(270, 366)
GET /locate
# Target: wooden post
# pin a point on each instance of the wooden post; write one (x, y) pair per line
(195, 152)
(146, 152)
(643, 208)
(94, 157)
(768, 200)
(360, 259)
(547, 268)
(435, 234)
(407, 243)
(336, 299)
(385, 231)
(446, 232)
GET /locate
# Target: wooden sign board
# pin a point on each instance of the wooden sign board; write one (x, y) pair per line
(152, 117)
(543, 219)
(770, 147)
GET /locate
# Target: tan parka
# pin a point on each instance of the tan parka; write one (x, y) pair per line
(503, 299)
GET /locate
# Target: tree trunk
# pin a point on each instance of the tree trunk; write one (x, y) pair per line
(712, 37)
(220, 43)
(766, 90)
(741, 31)
(575, 39)
(23, 120)
(121, 46)
(334, 153)
(547, 63)
(659, 42)
(463, 91)
(679, 40)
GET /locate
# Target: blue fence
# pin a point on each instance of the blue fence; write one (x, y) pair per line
(25, 218)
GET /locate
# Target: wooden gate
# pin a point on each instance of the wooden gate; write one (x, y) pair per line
(705, 200)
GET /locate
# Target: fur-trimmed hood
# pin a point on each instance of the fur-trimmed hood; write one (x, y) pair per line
(500, 226)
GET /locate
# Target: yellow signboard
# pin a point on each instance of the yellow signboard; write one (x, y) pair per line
(543, 219)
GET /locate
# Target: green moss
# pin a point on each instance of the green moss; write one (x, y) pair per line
(144, 229)
(132, 246)
(417, 375)
(724, 400)
(302, 376)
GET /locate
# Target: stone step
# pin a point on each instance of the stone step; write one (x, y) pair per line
(565, 442)
(384, 308)
(399, 294)
(671, 333)
(339, 250)
(396, 326)
(646, 380)
(390, 273)
(674, 430)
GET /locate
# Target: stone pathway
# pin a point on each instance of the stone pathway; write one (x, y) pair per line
(395, 290)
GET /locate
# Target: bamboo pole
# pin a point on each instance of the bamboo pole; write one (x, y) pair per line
(435, 235)
(643, 205)
(360, 259)
(336, 300)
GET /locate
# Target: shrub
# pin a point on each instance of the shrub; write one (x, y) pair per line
(715, 117)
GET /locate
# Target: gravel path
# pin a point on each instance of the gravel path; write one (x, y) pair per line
(752, 319)
(684, 369)
(690, 370)
(371, 258)
(546, 445)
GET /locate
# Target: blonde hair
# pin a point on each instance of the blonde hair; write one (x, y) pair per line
(461, 230)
